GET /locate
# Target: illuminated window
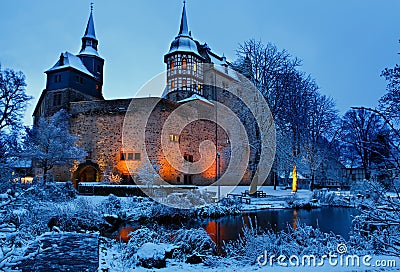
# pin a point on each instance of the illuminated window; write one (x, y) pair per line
(198, 87)
(97, 86)
(195, 66)
(172, 64)
(184, 63)
(172, 84)
(173, 137)
(184, 83)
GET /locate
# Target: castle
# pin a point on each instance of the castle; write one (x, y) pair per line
(196, 76)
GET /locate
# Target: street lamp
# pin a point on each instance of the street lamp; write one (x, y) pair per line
(219, 175)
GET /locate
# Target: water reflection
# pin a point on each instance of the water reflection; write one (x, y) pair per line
(336, 220)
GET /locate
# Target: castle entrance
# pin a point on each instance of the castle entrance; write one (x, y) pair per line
(87, 172)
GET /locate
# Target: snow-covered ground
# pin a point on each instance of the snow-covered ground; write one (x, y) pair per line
(276, 199)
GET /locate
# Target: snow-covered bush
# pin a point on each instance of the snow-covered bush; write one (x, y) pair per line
(140, 237)
(193, 241)
(379, 221)
(52, 191)
(111, 205)
(12, 237)
(303, 240)
(226, 206)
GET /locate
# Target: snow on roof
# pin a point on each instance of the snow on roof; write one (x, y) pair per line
(227, 71)
(195, 97)
(184, 44)
(88, 50)
(70, 60)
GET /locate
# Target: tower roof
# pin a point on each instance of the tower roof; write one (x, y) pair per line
(89, 32)
(68, 60)
(183, 29)
(184, 41)
(89, 40)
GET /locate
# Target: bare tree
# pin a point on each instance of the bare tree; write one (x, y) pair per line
(361, 130)
(13, 98)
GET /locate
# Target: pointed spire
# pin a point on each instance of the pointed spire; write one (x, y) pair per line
(89, 40)
(184, 30)
(90, 33)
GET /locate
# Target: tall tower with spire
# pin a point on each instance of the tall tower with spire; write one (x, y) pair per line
(183, 60)
(89, 54)
(74, 77)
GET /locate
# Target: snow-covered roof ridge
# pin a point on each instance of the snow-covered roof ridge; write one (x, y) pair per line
(88, 50)
(70, 60)
(195, 97)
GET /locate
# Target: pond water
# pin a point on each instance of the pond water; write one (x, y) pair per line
(329, 219)
(225, 229)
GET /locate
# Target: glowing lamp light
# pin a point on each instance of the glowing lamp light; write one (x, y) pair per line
(294, 184)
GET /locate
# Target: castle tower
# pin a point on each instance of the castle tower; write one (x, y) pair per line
(89, 54)
(74, 77)
(185, 72)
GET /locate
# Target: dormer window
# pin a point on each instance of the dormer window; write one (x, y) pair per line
(184, 63)
(172, 64)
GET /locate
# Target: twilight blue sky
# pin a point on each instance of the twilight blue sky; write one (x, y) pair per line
(344, 44)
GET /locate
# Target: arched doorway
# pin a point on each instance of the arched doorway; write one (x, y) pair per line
(88, 172)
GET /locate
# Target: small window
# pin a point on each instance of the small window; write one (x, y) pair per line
(123, 156)
(184, 63)
(199, 87)
(97, 86)
(98, 69)
(194, 66)
(173, 138)
(57, 78)
(130, 156)
(184, 83)
(57, 99)
(172, 84)
(137, 156)
(172, 64)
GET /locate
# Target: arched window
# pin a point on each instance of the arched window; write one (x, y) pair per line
(194, 66)
(172, 64)
(184, 63)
